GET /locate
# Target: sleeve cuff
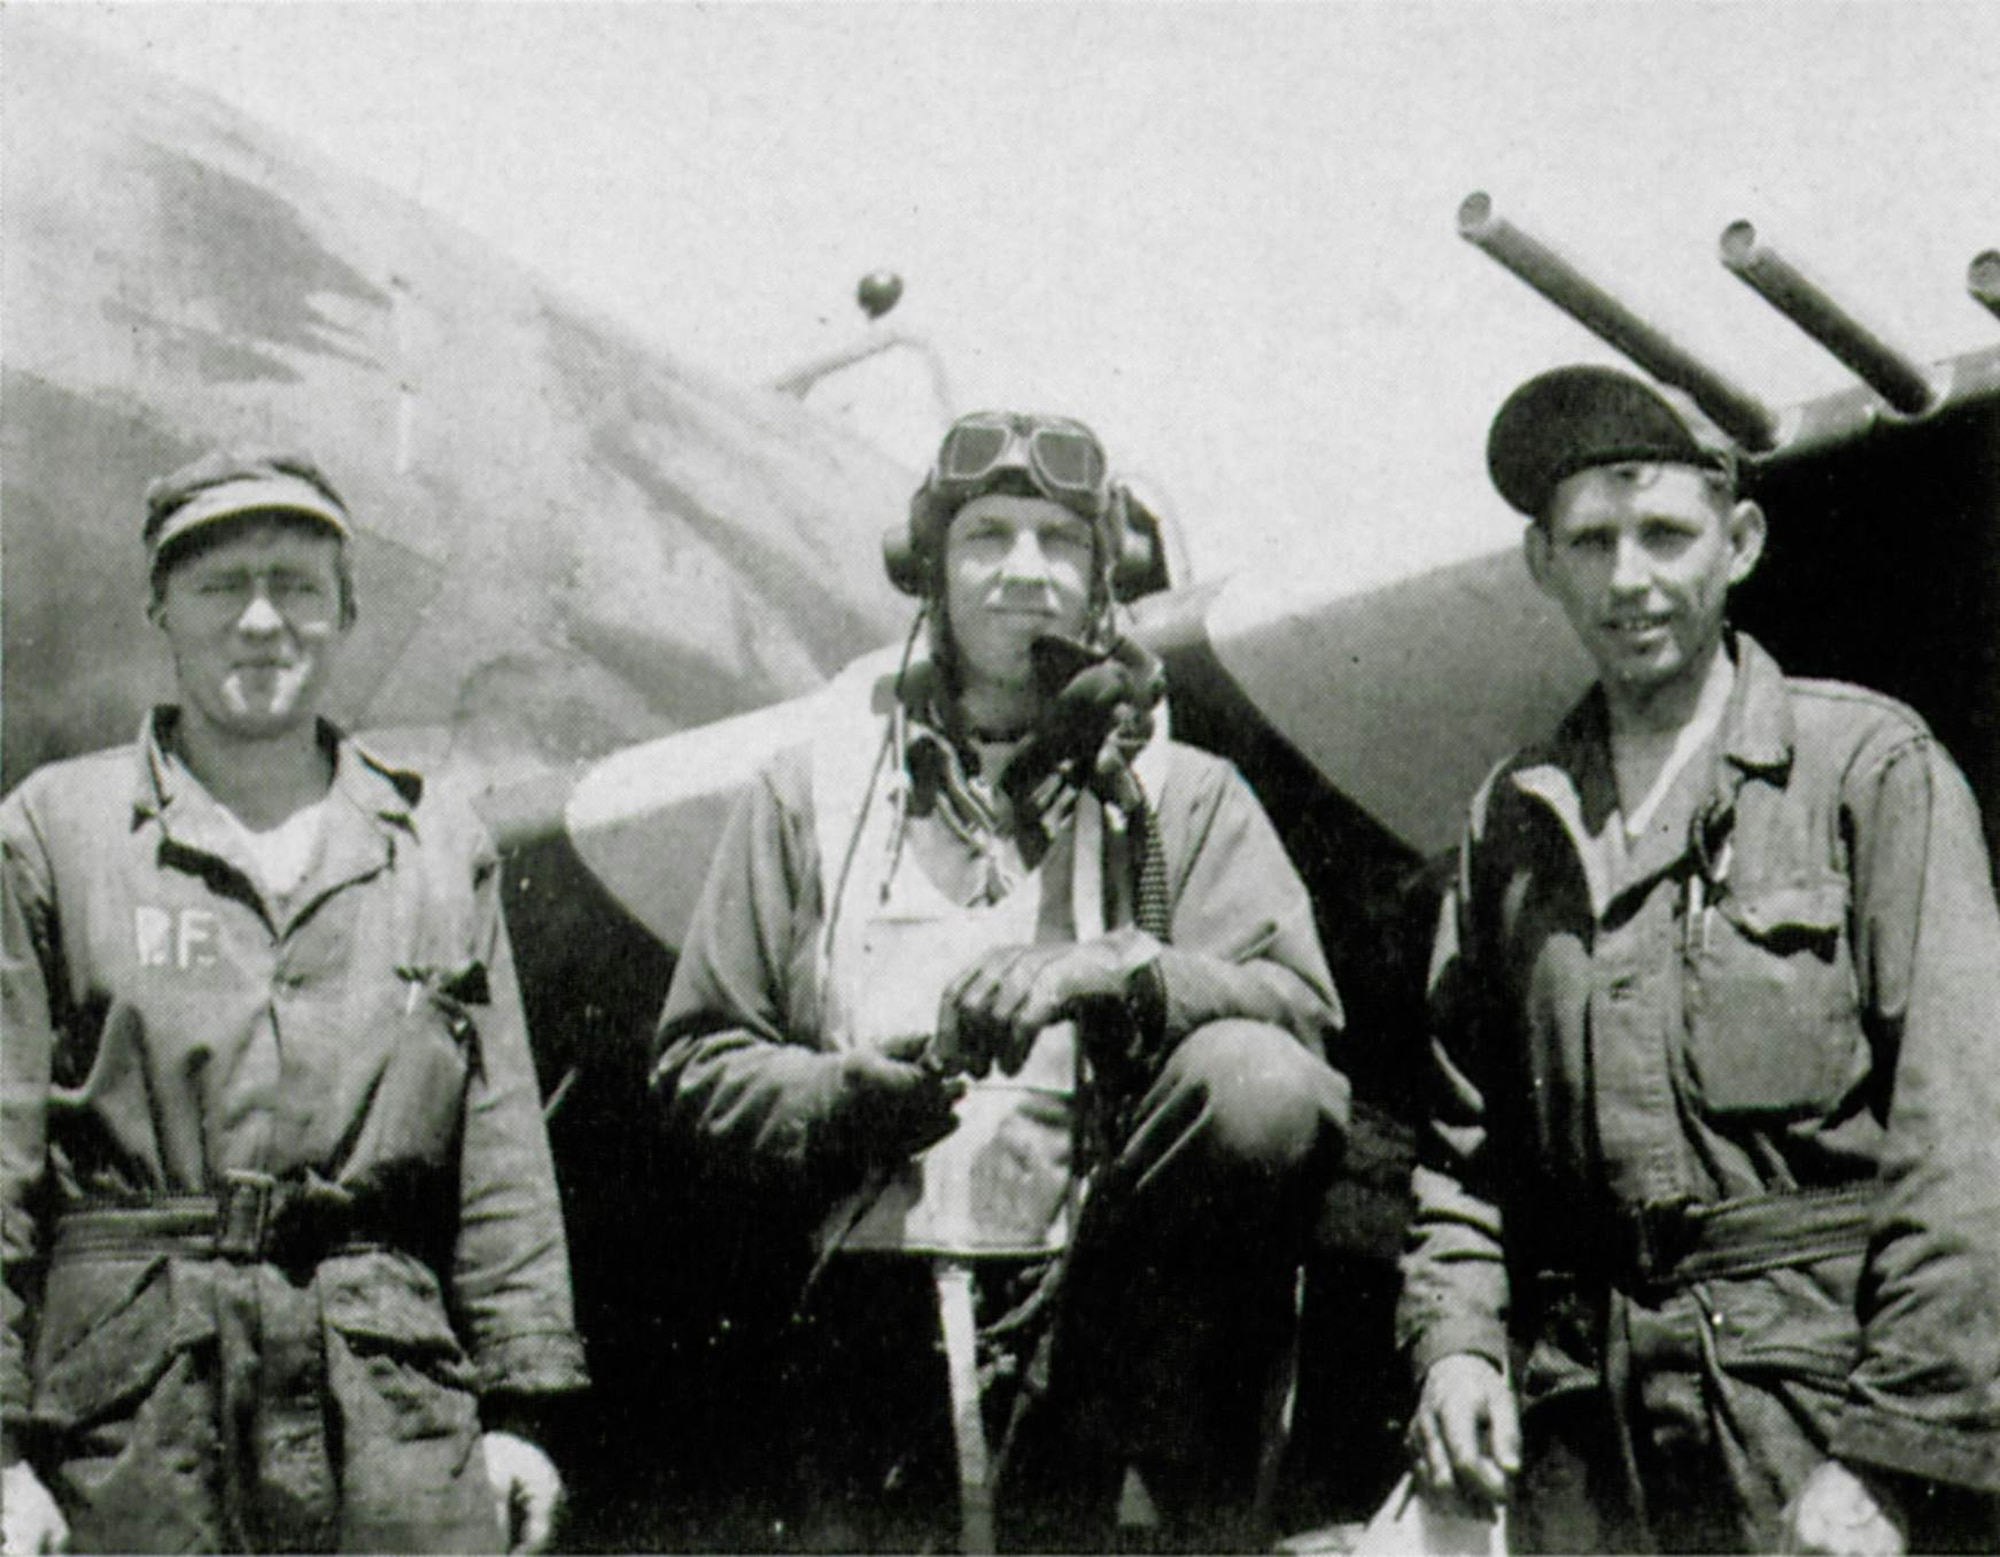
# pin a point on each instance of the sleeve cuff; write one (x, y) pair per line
(540, 1362)
(1482, 1337)
(1877, 1440)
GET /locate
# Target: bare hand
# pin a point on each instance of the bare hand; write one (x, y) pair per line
(992, 1012)
(32, 1522)
(1465, 1438)
(526, 1490)
(1836, 1512)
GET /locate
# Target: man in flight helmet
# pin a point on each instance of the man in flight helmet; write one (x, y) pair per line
(983, 940)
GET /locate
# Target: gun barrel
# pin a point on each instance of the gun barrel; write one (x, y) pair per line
(1982, 280)
(1891, 374)
(1735, 410)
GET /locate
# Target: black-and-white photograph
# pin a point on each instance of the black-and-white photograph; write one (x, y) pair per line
(1196, 776)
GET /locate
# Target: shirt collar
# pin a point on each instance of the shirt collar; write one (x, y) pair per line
(1571, 772)
(371, 787)
(1755, 733)
(941, 773)
(1757, 728)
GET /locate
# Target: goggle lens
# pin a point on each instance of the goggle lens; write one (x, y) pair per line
(1067, 460)
(971, 451)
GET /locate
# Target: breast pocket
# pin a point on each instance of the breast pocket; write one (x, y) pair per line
(1773, 1011)
(430, 1056)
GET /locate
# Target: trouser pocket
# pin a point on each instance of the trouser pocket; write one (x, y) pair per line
(126, 1396)
(412, 1476)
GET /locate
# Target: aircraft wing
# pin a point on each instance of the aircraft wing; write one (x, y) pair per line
(1360, 684)
(570, 539)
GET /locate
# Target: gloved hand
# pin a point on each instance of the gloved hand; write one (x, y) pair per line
(895, 1103)
(991, 1013)
(30, 1522)
(527, 1490)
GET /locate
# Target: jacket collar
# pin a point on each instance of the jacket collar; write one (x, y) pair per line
(940, 768)
(1757, 726)
(369, 804)
(1571, 772)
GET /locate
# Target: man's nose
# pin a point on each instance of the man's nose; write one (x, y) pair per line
(1026, 560)
(260, 616)
(1631, 570)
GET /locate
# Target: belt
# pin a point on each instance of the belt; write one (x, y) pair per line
(252, 1217)
(1669, 1243)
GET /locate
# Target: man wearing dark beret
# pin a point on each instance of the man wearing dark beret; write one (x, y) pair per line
(285, 1267)
(1707, 1246)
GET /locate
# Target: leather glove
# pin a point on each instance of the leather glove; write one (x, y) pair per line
(893, 1104)
(993, 1011)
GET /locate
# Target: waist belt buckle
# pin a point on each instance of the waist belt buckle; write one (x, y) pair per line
(244, 1213)
(1662, 1235)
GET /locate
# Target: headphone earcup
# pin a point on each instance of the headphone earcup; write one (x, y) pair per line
(903, 547)
(1140, 568)
(902, 560)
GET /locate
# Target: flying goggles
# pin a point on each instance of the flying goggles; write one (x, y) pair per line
(1062, 457)
(1063, 461)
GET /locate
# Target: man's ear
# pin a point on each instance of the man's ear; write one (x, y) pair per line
(1537, 550)
(156, 607)
(1747, 533)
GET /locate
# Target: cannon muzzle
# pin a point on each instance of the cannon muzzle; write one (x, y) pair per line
(1982, 280)
(1735, 410)
(1890, 373)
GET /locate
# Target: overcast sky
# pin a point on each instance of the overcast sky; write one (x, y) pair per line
(1222, 233)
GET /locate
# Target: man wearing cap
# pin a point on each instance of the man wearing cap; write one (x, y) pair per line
(1712, 1182)
(986, 932)
(280, 1224)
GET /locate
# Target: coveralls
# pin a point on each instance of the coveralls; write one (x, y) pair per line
(279, 1208)
(1714, 1125)
(1183, 1260)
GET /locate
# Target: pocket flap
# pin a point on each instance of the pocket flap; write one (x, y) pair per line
(1811, 910)
(114, 1327)
(1795, 1322)
(387, 1298)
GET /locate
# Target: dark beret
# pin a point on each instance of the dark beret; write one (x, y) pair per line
(1570, 419)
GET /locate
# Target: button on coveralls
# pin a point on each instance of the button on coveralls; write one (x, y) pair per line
(279, 1209)
(1716, 1122)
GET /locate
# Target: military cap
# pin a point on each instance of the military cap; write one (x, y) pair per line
(227, 483)
(1574, 418)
